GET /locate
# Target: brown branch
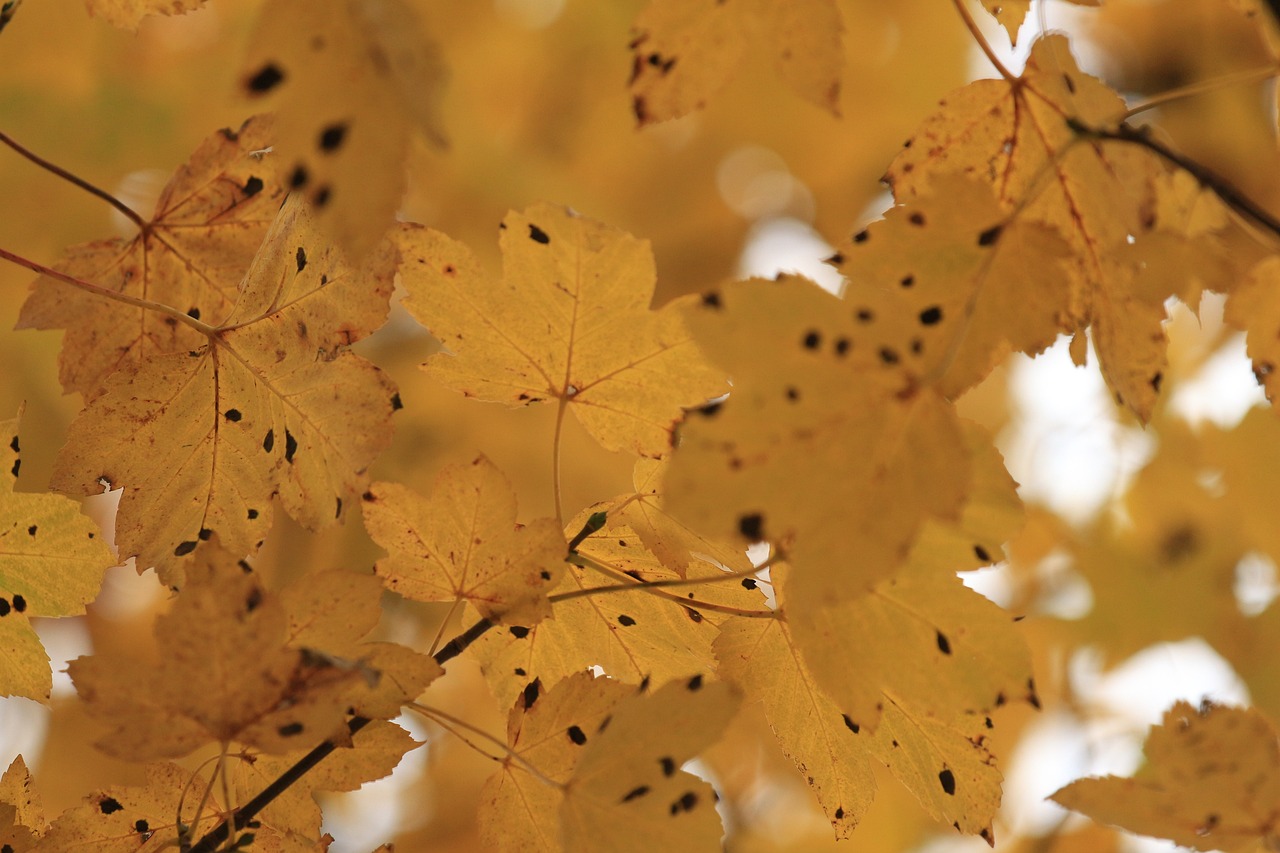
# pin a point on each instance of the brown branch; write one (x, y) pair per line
(125, 209)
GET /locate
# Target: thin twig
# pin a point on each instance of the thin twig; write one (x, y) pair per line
(972, 25)
(1234, 78)
(446, 720)
(631, 584)
(114, 295)
(125, 209)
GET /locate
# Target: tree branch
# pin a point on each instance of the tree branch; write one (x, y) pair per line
(125, 209)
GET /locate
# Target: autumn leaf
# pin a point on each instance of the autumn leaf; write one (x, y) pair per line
(127, 14)
(546, 730)
(568, 321)
(960, 283)
(1211, 781)
(827, 445)
(271, 404)
(51, 564)
(672, 542)
(632, 634)
(21, 814)
(354, 81)
(627, 791)
(224, 674)
(1010, 14)
(685, 51)
(373, 753)
(463, 543)
(1028, 138)
(137, 819)
(209, 221)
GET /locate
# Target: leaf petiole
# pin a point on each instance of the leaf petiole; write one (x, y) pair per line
(132, 215)
(134, 301)
(628, 583)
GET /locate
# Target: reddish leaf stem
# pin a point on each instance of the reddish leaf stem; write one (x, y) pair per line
(125, 209)
(114, 295)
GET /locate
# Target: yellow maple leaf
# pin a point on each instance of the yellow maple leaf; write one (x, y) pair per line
(224, 674)
(950, 285)
(1010, 14)
(546, 732)
(51, 564)
(631, 634)
(1211, 781)
(627, 792)
(463, 543)
(684, 51)
(127, 14)
(1253, 306)
(827, 444)
(1028, 137)
(208, 222)
(135, 819)
(568, 321)
(272, 403)
(355, 79)
(21, 814)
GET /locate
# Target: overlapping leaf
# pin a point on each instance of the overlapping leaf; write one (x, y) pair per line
(463, 543)
(21, 814)
(685, 51)
(1211, 781)
(51, 564)
(631, 634)
(828, 444)
(568, 321)
(209, 221)
(271, 404)
(224, 674)
(1028, 138)
(355, 80)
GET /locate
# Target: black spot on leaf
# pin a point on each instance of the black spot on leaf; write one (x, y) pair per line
(253, 513)
(531, 691)
(668, 765)
(331, 137)
(184, 548)
(537, 235)
(931, 315)
(752, 526)
(686, 803)
(4, 607)
(193, 313)
(290, 729)
(944, 645)
(31, 531)
(839, 813)
(695, 683)
(520, 671)
(518, 632)
(110, 806)
(1156, 380)
(141, 825)
(749, 583)
(842, 345)
(337, 512)
(290, 446)
(981, 553)
(299, 177)
(19, 603)
(835, 260)
(694, 615)
(396, 405)
(626, 621)
(634, 793)
(711, 299)
(907, 280)
(990, 236)
(266, 79)
(269, 440)
(253, 186)
(253, 601)
(853, 727)
(301, 257)
(916, 218)
(948, 781)
(204, 534)
(888, 356)
(577, 735)
(861, 236)
(322, 196)
(812, 339)
(232, 415)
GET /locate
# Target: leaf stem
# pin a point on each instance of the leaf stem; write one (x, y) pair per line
(972, 26)
(447, 720)
(1200, 87)
(629, 583)
(127, 211)
(134, 301)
